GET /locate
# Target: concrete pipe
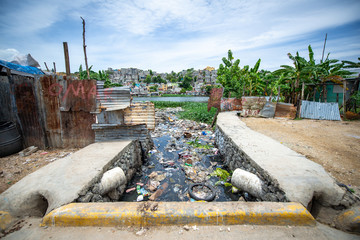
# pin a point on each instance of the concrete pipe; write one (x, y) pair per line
(112, 179)
(247, 182)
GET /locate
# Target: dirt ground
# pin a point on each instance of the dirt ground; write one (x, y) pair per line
(14, 167)
(333, 144)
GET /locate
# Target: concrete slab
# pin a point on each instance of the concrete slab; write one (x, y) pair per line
(60, 182)
(31, 230)
(178, 213)
(300, 178)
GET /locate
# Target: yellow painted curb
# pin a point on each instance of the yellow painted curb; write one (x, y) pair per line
(178, 213)
(5, 220)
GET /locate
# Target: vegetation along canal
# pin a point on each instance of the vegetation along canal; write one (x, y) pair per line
(184, 157)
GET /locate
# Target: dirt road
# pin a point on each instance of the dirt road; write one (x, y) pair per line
(14, 167)
(333, 144)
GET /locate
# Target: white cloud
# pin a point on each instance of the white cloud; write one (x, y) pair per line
(174, 34)
(8, 54)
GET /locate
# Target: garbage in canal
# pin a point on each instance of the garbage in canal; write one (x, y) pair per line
(202, 191)
(181, 166)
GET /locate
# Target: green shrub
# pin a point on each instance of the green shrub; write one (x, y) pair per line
(192, 110)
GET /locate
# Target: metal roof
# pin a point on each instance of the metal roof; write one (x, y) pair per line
(112, 99)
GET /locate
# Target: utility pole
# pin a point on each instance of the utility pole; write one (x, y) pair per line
(322, 58)
(84, 45)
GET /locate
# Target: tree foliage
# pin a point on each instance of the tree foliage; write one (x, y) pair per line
(240, 81)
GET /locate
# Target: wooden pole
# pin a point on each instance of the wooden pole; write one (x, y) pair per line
(344, 96)
(302, 91)
(84, 45)
(46, 67)
(322, 58)
(54, 67)
(67, 61)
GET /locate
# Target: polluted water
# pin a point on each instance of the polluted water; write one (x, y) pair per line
(184, 157)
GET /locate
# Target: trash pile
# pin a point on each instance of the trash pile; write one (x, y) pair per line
(179, 166)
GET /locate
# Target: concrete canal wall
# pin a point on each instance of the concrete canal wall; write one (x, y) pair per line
(286, 174)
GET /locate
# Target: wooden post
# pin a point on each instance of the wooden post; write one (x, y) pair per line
(314, 94)
(67, 61)
(344, 96)
(302, 91)
(54, 67)
(84, 46)
(46, 67)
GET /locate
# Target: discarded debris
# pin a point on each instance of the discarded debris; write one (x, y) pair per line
(186, 228)
(158, 192)
(28, 151)
(141, 232)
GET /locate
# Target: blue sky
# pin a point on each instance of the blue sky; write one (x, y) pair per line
(166, 35)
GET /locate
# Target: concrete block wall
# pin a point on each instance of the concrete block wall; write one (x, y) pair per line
(236, 158)
(129, 160)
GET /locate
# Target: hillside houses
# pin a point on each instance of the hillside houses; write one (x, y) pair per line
(136, 79)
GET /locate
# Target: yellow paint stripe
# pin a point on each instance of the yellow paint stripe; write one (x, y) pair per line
(178, 213)
(5, 220)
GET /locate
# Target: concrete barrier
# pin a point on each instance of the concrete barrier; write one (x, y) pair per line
(178, 213)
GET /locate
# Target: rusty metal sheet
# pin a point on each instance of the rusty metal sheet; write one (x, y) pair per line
(51, 106)
(108, 132)
(321, 111)
(285, 110)
(231, 104)
(268, 110)
(111, 117)
(140, 113)
(28, 112)
(5, 100)
(76, 128)
(251, 106)
(112, 99)
(215, 98)
(76, 95)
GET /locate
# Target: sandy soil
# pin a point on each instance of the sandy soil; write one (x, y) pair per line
(333, 144)
(14, 167)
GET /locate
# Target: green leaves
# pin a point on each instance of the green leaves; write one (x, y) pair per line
(241, 81)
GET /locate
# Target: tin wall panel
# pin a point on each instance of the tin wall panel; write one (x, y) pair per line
(321, 111)
(28, 112)
(51, 108)
(140, 113)
(76, 128)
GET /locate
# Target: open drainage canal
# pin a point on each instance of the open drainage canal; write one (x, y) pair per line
(181, 166)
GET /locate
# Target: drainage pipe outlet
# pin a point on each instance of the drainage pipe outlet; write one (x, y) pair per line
(247, 182)
(112, 179)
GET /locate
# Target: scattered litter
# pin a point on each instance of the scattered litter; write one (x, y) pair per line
(130, 190)
(28, 151)
(141, 232)
(195, 228)
(186, 227)
(159, 192)
(43, 153)
(140, 198)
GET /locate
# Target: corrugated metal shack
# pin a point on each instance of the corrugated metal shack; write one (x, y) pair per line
(118, 119)
(49, 111)
(53, 111)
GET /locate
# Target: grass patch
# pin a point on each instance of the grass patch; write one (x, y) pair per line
(192, 110)
(174, 95)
